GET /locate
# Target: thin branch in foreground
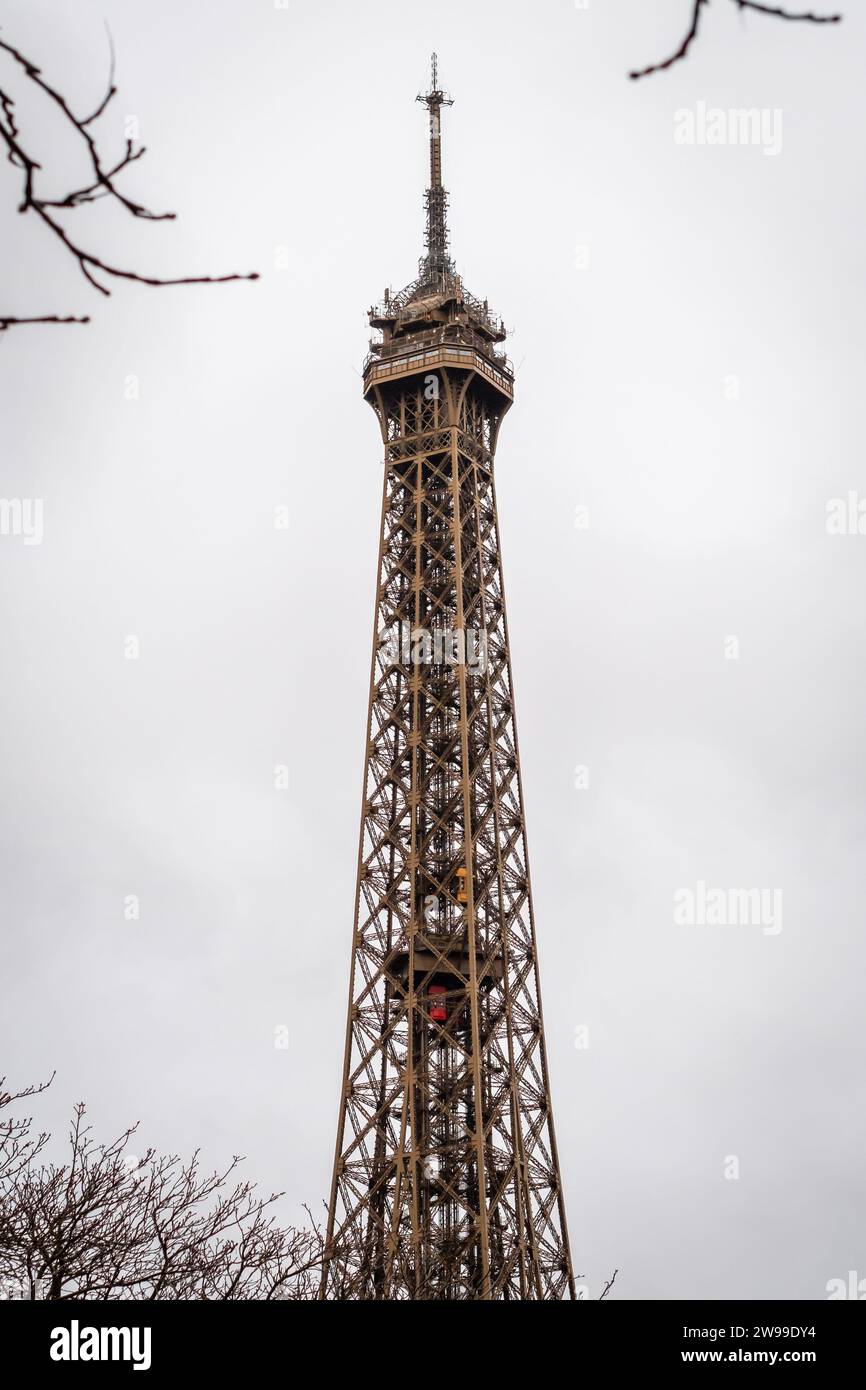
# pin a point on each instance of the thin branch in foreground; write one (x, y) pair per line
(102, 184)
(777, 12)
(6, 322)
(683, 48)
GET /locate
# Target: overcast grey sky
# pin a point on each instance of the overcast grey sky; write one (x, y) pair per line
(688, 338)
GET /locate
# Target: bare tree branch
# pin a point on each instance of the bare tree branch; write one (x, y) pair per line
(102, 184)
(781, 13)
(777, 11)
(17, 1149)
(8, 322)
(683, 48)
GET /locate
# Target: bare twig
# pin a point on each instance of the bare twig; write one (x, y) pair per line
(8, 322)
(683, 48)
(781, 13)
(777, 11)
(102, 184)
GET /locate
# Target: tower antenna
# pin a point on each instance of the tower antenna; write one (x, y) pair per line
(437, 259)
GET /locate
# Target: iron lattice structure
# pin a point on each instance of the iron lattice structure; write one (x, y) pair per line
(446, 1179)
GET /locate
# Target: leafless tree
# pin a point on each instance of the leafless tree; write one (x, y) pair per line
(107, 1225)
(777, 11)
(102, 182)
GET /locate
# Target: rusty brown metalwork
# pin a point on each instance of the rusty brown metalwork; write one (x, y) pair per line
(446, 1179)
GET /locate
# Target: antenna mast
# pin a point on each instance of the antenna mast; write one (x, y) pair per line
(437, 259)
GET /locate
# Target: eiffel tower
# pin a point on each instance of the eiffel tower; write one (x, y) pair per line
(446, 1179)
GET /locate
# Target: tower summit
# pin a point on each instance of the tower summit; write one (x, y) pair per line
(446, 1179)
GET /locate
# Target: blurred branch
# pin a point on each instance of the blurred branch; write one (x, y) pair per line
(102, 183)
(6, 322)
(777, 11)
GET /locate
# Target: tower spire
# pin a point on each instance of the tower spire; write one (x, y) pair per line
(437, 259)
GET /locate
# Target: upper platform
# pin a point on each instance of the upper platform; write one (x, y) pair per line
(436, 322)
